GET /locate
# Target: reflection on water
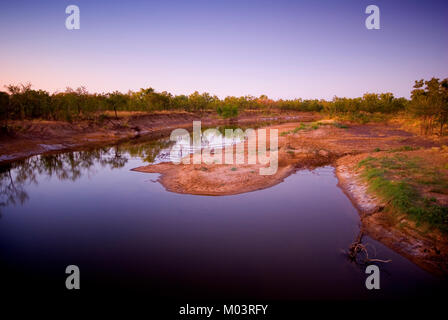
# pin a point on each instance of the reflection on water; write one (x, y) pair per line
(211, 139)
(15, 176)
(125, 232)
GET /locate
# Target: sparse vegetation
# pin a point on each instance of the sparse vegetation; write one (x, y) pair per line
(428, 104)
(404, 148)
(227, 111)
(399, 181)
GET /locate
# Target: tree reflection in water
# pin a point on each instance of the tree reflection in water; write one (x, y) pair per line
(16, 176)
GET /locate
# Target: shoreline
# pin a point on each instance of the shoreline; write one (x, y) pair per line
(298, 149)
(429, 253)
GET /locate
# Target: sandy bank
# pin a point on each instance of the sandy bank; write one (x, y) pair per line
(305, 148)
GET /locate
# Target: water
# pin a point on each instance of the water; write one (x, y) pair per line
(126, 233)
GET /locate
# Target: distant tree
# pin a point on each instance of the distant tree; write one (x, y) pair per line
(4, 110)
(443, 116)
(265, 102)
(18, 97)
(117, 100)
(180, 102)
(200, 102)
(429, 100)
(148, 99)
(227, 111)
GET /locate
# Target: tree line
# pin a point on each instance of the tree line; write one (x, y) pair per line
(429, 101)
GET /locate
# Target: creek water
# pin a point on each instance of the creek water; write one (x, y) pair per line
(127, 233)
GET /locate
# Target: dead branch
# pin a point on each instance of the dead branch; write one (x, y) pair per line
(357, 248)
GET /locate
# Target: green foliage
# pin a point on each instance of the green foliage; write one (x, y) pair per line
(429, 101)
(302, 127)
(117, 101)
(227, 111)
(404, 148)
(340, 125)
(300, 105)
(370, 103)
(4, 111)
(371, 107)
(315, 126)
(401, 194)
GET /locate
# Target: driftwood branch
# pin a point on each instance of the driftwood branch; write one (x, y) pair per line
(358, 249)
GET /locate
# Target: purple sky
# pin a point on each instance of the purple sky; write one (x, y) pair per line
(284, 49)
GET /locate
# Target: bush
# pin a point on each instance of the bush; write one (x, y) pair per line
(4, 110)
(227, 111)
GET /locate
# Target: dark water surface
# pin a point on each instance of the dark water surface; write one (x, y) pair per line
(125, 232)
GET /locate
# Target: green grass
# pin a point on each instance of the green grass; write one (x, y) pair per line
(340, 125)
(393, 179)
(302, 126)
(313, 126)
(403, 148)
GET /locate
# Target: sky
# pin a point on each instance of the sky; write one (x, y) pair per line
(284, 49)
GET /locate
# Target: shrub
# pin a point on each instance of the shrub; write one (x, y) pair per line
(227, 111)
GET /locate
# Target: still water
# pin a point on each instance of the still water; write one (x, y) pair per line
(126, 233)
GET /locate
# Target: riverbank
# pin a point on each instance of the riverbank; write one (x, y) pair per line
(402, 197)
(310, 145)
(32, 137)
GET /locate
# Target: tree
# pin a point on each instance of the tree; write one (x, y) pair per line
(429, 101)
(18, 98)
(200, 102)
(227, 111)
(4, 110)
(116, 100)
(443, 117)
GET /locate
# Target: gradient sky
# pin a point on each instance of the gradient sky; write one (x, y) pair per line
(285, 49)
